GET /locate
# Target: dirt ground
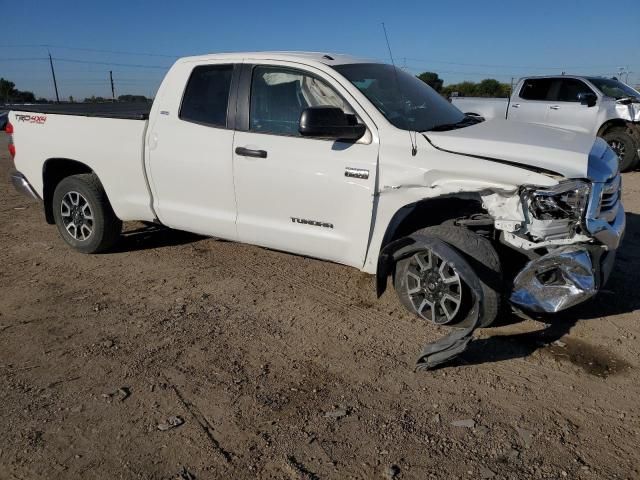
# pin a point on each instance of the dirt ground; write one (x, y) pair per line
(179, 356)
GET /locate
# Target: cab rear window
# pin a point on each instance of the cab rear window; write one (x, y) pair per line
(536, 89)
(206, 97)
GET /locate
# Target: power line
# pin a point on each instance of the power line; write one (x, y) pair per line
(96, 50)
(127, 65)
(532, 67)
(23, 59)
(458, 72)
(90, 62)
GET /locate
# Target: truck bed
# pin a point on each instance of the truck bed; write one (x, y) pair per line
(129, 111)
(111, 143)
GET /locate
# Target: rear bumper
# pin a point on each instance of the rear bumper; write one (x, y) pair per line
(22, 185)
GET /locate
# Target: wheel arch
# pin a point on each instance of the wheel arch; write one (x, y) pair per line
(54, 170)
(415, 216)
(609, 124)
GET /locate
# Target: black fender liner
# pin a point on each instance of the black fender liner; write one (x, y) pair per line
(456, 342)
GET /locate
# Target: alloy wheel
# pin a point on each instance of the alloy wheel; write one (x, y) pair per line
(77, 216)
(434, 287)
(619, 148)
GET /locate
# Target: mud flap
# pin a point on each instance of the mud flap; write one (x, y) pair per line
(449, 346)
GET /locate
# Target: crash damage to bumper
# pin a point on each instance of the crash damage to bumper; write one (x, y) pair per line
(576, 266)
(562, 278)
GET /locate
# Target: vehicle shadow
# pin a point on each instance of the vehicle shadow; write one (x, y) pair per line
(618, 296)
(153, 236)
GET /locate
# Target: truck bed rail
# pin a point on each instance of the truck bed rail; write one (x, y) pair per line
(130, 111)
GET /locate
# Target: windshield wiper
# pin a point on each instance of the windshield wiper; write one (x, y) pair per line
(467, 121)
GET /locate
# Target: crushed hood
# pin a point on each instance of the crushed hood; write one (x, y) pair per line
(530, 145)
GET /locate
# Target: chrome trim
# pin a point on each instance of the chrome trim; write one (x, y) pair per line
(356, 173)
(605, 219)
(603, 162)
(609, 234)
(577, 279)
(22, 185)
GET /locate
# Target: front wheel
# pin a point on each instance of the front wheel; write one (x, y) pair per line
(83, 214)
(624, 146)
(428, 285)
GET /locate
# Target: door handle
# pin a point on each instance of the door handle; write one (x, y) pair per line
(515, 105)
(555, 107)
(248, 152)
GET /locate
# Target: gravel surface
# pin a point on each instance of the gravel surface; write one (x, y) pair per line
(182, 357)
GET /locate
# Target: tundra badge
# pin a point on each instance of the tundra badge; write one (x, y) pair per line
(311, 222)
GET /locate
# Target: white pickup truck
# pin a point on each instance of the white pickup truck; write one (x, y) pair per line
(602, 107)
(341, 159)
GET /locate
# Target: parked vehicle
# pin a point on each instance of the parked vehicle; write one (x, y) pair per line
(598, 106)
(341, 159)
(4, 118)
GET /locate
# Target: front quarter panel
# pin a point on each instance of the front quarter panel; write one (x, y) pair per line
(405, 179)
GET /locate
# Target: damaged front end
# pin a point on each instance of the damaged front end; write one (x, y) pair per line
(570, 232)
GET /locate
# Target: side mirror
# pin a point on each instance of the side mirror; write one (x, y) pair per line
(330, 122)
(588, 99)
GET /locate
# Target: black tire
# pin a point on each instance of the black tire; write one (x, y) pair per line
(104, 226)
(625, 147)
(482, 257)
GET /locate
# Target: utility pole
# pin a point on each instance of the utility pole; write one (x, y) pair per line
(623, 74)
(113, 92)
(53, 74)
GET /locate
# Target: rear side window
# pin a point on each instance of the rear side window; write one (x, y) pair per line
(207, 95)
(570, 88)
(536, 89)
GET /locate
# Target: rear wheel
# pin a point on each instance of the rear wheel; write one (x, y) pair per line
(83, 214)
(624, 146)
(428, 285)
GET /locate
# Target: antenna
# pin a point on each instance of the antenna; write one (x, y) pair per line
(414, 144)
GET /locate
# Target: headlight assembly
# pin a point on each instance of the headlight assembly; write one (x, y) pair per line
(567, 200)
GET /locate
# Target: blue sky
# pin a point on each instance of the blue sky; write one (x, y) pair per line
(464, 40)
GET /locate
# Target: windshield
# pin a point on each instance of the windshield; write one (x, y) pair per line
(407, 102)
(614, 88)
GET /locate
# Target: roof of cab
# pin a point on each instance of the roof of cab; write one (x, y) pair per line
(320, 57)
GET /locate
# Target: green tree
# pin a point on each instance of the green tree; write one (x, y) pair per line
(488, 87)
(6, 89)
(432, 79)
(133, 98)
(9, 93)
(464, 89)
(94, 99)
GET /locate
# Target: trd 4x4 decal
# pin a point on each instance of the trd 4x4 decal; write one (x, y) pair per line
(39, 119)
